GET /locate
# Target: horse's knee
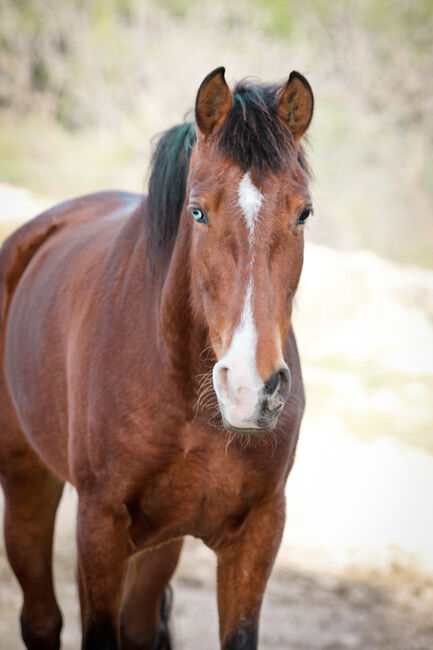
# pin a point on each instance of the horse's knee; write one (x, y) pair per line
(41, 630)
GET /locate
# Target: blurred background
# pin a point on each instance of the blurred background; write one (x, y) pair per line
(86, 85)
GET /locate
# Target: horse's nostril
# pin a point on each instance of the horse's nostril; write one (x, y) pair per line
(222, 377)
(278, 384)
(285, 382)
(272, 383)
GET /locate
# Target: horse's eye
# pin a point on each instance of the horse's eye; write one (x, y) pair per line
(199, 215)
(303, 216)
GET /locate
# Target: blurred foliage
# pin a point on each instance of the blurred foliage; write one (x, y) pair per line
(83, 72)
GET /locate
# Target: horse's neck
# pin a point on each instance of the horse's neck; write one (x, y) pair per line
(161, 297)
(184, 333)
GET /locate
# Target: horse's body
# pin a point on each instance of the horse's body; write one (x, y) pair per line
(103, 347)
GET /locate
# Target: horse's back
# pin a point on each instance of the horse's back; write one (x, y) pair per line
(21, 246)
(37, 263)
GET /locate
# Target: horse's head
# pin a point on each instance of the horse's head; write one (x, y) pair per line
(248, 201)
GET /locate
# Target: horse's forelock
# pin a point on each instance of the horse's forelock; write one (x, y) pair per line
(252, 135)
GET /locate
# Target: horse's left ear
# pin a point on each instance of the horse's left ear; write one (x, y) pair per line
(295, 104)
(213, 103)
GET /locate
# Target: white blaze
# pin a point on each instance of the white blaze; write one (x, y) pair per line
(244, 342)
(250, 200)
(239, 392)
(241, 355)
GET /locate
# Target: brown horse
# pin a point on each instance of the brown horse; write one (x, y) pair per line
(148, 358)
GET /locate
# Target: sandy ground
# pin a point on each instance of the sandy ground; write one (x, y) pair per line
(355, 569)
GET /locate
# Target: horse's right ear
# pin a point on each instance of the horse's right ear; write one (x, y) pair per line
(213, 103)
(295, 104)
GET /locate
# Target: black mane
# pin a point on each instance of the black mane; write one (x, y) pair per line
(253, 135)
(167, 184)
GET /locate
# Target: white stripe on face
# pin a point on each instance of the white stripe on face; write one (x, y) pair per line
(241, 355)
(238, 390)
(250, 201)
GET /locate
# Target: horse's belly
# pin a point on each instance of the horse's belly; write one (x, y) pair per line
(36, 377)
(40, 407)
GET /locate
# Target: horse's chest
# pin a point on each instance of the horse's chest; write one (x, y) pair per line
(198, 495)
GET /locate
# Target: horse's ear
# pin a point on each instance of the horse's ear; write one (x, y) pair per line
(213, 103)
(295, 104)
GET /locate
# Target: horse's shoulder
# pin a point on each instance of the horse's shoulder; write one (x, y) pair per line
(20, 247)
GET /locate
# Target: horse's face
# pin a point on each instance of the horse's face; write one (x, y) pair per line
(247, 255)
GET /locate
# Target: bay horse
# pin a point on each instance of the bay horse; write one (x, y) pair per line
(148, 358)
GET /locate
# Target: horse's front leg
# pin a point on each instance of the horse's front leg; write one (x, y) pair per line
(244, 566)
(103, 551)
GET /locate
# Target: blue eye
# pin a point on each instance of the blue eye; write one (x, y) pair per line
(199, 215)
(303, 216)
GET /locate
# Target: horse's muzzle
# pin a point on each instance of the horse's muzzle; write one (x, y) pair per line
(251, 409)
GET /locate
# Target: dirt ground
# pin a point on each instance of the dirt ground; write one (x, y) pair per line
(303, 609)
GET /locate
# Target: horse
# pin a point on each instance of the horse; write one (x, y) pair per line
(148, 359)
